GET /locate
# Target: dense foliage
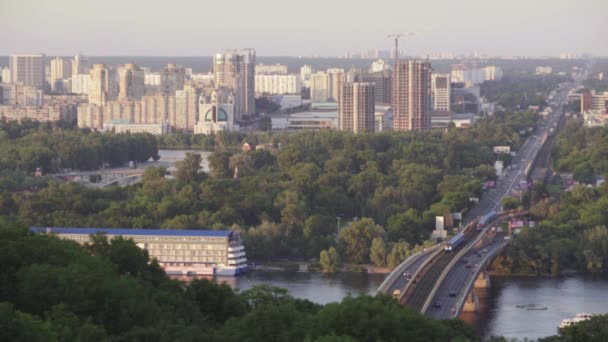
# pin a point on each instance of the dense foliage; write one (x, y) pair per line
(55, 290)
(285, 200)
(520, 91)
(572, 233)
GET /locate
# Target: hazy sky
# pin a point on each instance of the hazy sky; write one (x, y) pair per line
(302, 28)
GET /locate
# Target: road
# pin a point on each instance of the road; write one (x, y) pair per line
(459, 276)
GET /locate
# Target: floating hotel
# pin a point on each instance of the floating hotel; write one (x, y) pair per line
(179, 252)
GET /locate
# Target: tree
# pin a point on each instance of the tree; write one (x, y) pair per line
(399, 252)
(357, 239)
(509, 203)
(583, 173)
(187, 169)
(378, 252)
(330, 260)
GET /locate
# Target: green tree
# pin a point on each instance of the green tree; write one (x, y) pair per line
(399, 252)
(378, 252)
(357, 238)
(187, 169)
(330, 260)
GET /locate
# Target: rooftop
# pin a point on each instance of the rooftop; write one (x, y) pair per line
(127, 231)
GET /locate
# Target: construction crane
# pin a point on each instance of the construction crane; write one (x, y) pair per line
(396, 37)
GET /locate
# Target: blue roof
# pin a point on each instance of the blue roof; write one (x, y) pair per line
(127, 231)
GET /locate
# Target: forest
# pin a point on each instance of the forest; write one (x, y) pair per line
(571, 233)
(287, 198)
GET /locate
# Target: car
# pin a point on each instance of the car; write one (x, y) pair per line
(452, 293)
(464, 260)
(485, 250)
(468, 266)
(437, 304)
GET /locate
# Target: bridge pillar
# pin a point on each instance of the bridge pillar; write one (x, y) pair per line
(482, 281)
(471, 304)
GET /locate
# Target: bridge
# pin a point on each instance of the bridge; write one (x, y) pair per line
(442, 284)
(102, 178)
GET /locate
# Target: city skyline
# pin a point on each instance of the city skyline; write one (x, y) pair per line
(542, 28)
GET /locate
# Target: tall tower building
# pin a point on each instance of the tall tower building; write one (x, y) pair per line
(356, 108)
(100, 85)
(186, 108)
(172, 79)
(383, 82)
(336, 79)
(412, 96)
(441, 92)
(28, 70)
(80, 65)
(60, 69)
(319, 87)
(235, 70)
(131, 82)
(305, 72)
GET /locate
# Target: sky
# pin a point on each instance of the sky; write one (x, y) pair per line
(302, 28)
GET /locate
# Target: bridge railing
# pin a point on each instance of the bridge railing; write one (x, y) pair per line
(419, 270)
(398, 271)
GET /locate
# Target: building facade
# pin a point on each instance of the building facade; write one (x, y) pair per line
(356, 107)
(412, 96)
(217, 113)
(180, 252)
(383, 82)
(131, 82)
(277, 84)
(186, 108)
(28, 70)
(441, 92)
(172, 79)
(102, 85)
(235, 70)
(61, 69)
(319, 87)
(80, 65)
(305, 72)
(271, 69)
(154, 129)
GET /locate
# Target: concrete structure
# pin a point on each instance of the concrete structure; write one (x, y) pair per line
(172, 79)
(101, 85)
(383, 119)
(123, 127)
(594, 101)
(379, 66)
(217, 113)
(20, 95)
(152, 83)
(271, 69)
(306, 120)
(131, 82)
(45, 113)
(80, 65)
(441, 92)
(412, 96)
(356, 107)
(6, 75)
(305, 72)
(235, 70)
(319, 87)
(337, 77)
(61, 69)
(80, 83)
(544, 70)
(184, 252)
(464, 99)
(594, 118)
(186, 108)
(287, 101)
(383, 82)
(471, 75)
(277, 84)
(28, 69)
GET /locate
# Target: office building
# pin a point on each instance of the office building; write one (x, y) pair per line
(277, 84)
(440, 92)
(356, 107)
(61, 69)
(172, 79)
(182, 252)
(131, 82)
(28, 70)
(383, 81)
(100, 87)
(217, 113)
(271, 69)
(235, 70)
(186, 108)
(80, 65)
(305, 72)
(319, 87)
(412, 96)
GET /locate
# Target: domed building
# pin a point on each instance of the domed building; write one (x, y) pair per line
(216, 113)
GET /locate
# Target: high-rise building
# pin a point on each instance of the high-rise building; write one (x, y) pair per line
(61, 69)
(186, 108)
(216, 113)
(412, 96)
(379, 65)
(172, 79)
(80, 65)
(28, 70)
(383, 85)
(319, 87)
(356, 107)
(277, 84)
(235, 70)
(80, 83)
(305, 72)
(440, 92)
(6, 75)
(271, 69)
(337, 77)
(131, 82)
(100, 85)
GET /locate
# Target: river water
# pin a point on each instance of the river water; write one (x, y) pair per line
(499, 315)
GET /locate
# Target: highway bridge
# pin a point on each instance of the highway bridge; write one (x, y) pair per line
(442, 284)
(102, 178)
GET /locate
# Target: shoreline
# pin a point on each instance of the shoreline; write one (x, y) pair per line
(305, 267)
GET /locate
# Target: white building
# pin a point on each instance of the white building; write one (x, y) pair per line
(271, 69)
(277, 84)
(131, 82)
(152, 82)
(216, 115)
(80, 65)
(186, 108)
(319, 87)
(28, 69)
(306, 120)
(305, 72)
(61, 69)
(379, 65)
(337, 77)
(6, 75)
(471, 75)
(440, 91)
(154, 129)
(544, 70)
(21, 95)
(287, 101)
(80, 83)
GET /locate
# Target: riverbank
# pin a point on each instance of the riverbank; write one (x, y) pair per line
(314, 267)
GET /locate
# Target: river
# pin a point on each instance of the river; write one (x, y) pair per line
(499, 315)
